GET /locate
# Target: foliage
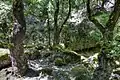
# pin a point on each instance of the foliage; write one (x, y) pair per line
(114, 49)
(80, 34)
(103, 18)
(4, 11)
(5, 28)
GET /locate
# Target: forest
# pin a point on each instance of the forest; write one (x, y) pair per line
(59, 40)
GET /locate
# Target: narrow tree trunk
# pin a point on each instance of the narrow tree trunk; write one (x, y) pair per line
(48, 24)
(56, 28)
(19, 27)
(67, 17)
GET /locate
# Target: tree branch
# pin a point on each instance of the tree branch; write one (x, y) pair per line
(93, 20)
(62, 26)
(114, 16)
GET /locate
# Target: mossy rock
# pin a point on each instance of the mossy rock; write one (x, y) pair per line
(59, 62)
(4, 54)
(78, 69)
(80, 72)
(4, 58)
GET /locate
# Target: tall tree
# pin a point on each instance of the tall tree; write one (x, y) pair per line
(19, 27)
(104, 70)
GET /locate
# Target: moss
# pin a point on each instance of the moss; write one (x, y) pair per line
(81, 73)
(59, 62)
(4, 57)
(4, 54)
(79, 69)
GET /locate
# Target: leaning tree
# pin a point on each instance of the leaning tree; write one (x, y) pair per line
(18, 36)
(105, 68)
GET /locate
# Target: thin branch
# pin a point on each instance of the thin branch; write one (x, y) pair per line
(62, 26)
(103, 3)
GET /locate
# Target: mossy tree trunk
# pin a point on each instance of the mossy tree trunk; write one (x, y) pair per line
(104, 70)
(18, 36)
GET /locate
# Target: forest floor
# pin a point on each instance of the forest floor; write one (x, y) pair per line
(54, 66)
(47, 66)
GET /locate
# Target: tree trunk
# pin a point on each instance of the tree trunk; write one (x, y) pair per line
(48, 25)
(105, 68)
(56, 28)
(19, 27)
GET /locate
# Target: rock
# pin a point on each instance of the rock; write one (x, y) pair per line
(81, 73)
(4, 58)
(3, 74)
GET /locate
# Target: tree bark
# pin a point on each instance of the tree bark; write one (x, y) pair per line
(48, 24)
(93, 20)
(56, 28)
(18, 36)
(112, 21)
